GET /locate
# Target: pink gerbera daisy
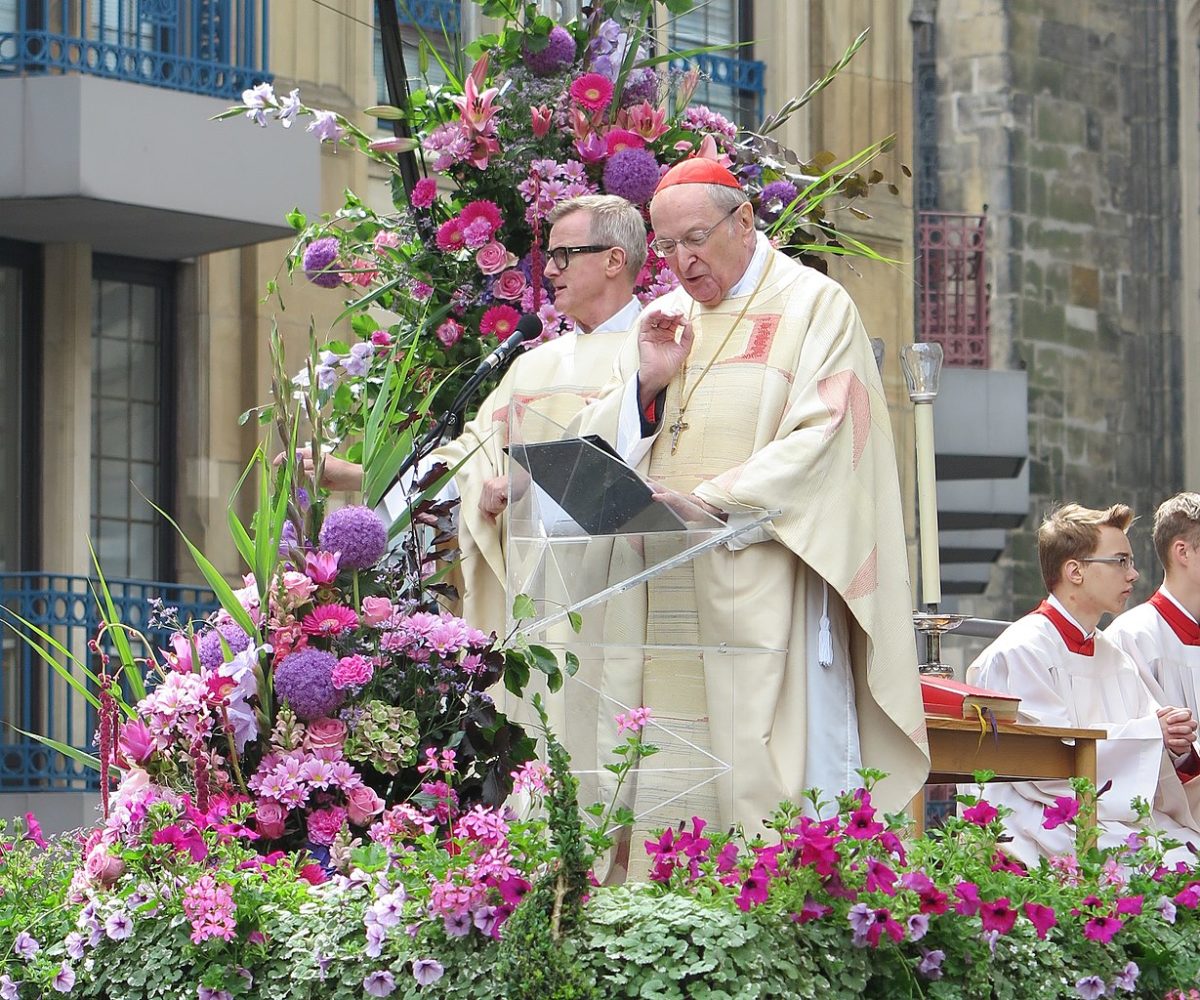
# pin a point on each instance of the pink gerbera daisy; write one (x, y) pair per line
(329, 619)
(499, 321)
(450, 235)
(592, 91)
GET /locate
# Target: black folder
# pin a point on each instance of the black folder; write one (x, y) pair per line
(588, 480)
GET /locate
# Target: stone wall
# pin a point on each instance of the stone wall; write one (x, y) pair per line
(1060, 117)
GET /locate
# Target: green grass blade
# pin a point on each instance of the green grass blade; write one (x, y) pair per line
(129, 667)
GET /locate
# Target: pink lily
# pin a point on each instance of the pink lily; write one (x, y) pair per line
(541, 121)
(474, 105)
(646, 120)
(591, 149)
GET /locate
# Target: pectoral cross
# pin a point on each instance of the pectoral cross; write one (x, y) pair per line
(676, 429)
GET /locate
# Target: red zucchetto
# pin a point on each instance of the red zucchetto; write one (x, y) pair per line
(697, 170)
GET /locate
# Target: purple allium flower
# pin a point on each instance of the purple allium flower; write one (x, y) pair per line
(427, 971)
(1090, 987)
(319, 257)
(64, 979)
(558, 54)
(631, 174)
(379, 984)
(775, 197)
(640, 85)
(357, 533)
(209, 644)
(304, 681)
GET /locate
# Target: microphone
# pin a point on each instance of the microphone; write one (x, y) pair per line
(528, 327)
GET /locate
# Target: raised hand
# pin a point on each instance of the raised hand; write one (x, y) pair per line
(661, 354)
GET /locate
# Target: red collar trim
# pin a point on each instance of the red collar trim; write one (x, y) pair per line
(1071, 635)
(1187, 630)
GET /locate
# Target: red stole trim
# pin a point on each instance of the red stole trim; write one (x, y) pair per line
(1187, 630)
(1071, 635)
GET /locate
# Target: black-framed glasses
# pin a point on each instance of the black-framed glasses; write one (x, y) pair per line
(665, 246)
(562, 255)
(1124, 562)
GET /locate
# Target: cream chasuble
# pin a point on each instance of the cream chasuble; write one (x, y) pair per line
(1170, 666)
(790, 416)
(1102, 691)
(556, 380)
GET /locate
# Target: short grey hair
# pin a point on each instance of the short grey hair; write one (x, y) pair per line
(614, 222)
(726, 198)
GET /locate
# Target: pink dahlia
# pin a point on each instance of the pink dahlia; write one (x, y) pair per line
(592, 91)
(499, 321)
(329, 620)
(489, 211)
(424, 192)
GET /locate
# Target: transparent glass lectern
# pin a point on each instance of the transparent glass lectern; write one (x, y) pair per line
(653, 583)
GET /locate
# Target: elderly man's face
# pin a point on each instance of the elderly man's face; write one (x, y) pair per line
(709, 271)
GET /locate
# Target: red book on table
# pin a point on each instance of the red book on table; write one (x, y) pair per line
(946, 696)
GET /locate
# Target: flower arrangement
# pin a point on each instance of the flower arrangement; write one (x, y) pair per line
(547, 112)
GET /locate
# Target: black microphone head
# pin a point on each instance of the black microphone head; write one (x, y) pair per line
(529, 327)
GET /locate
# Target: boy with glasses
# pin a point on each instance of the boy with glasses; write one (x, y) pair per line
(1069, 674)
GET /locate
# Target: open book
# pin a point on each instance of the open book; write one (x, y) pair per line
(946, 696)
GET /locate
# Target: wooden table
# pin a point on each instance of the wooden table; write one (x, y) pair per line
(1015, 752)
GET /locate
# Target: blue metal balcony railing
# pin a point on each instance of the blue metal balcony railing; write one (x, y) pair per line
(213, 47)
(743, 77)
(433, 16)
(34, 698)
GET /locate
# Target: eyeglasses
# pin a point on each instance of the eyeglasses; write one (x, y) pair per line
(1125, 562)
(665, 247)
(562, 255)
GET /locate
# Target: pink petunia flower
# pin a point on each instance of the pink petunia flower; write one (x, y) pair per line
(1064, 810)
(1042, 918)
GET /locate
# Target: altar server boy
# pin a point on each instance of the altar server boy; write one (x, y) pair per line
(1068, 674)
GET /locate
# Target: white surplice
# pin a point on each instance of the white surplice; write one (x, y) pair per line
(1101, 691)
(1170, 667)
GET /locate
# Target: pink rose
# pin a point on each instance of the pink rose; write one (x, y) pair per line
(324, 824)
(449, 333)
(363, 805)
(509, 285)
(494, 257)
(376, 610)
(386, 238)
(102, 868)
(269, 818)
(298, 588)
(351, 671)
(381, 338)
(324, 734)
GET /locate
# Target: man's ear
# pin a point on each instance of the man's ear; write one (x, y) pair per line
(614, 263)
(1072, 571)
(1182, 550)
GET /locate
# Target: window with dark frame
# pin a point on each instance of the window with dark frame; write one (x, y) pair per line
(133, 332)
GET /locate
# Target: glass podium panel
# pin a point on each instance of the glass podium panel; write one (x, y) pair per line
(651, 579)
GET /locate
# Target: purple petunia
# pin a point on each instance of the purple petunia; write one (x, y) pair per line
(1090, 987)
(358, 534)
(304, 681)
(631, 174)
(930, 965)
(557, 55)
(209, 644)
(379, 984)
(427, 971)
(319, 256)
(26, 946)
(64, 979)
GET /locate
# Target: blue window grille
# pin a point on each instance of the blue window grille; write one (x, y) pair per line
(432, 15)
(35, 699)
(729, 84)
(213, 47)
